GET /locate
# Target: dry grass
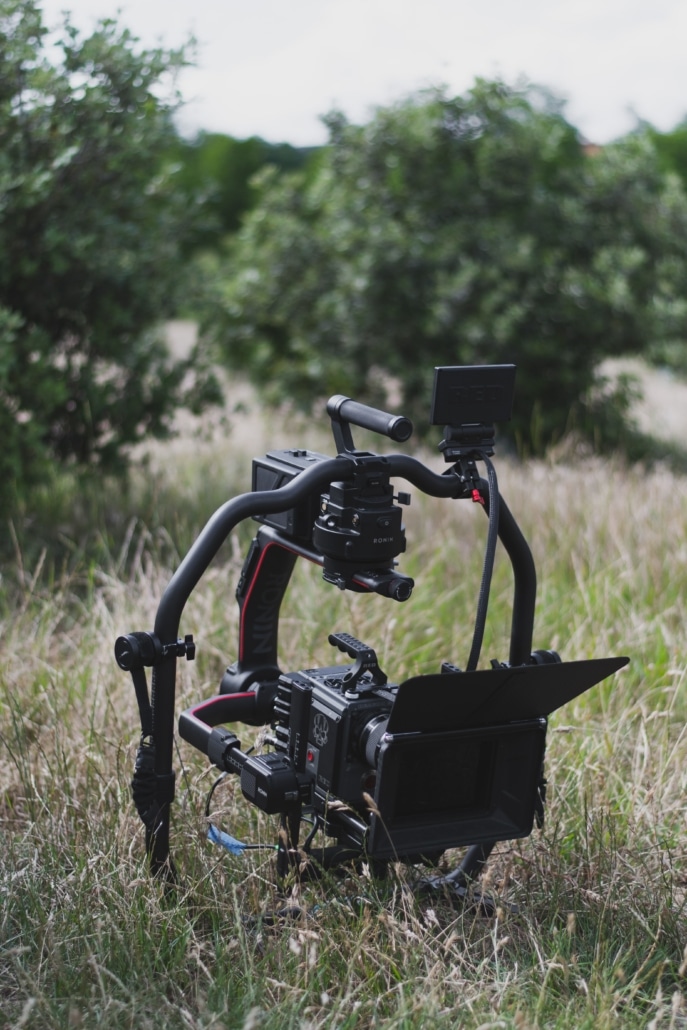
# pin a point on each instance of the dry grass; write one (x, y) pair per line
(601, 933)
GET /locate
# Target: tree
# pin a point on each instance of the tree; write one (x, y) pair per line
(90, 236)
(671, 147)
(670, 350)
(459, 230)
(219, 169)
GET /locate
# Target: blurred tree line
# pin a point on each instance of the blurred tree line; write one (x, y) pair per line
(460, 230)
(447, 230)
(216, 174)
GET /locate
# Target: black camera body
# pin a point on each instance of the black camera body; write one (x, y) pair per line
(323, 729)
(386, 770)
(407, 794)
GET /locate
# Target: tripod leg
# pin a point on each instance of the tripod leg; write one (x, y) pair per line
(458, 881)
(472, 865)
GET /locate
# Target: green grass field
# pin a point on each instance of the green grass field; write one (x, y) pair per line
(599, 938)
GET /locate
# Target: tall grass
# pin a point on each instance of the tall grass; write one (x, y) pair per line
(590, 927)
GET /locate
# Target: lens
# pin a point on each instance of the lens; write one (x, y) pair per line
(400, 589)
(371, 738)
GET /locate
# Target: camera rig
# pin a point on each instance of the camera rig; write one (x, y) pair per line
(385, 771)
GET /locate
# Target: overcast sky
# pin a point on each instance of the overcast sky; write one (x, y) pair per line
(272, 67)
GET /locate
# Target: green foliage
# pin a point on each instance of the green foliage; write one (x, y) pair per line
(672, 149)
(459, 230)
(90, 233)
(219, 170)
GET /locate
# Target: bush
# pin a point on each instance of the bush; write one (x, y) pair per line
(90, 237)
(463, 230)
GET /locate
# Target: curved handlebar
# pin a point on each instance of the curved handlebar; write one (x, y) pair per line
(317, 477)
(265, 502)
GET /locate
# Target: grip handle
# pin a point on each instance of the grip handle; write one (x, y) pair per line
(349, 645)
(343, 409)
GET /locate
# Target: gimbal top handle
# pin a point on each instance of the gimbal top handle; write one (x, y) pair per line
(343, 411)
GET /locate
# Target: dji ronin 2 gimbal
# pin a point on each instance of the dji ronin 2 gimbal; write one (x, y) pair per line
(385, 771)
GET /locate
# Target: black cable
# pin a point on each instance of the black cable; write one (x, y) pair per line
(492, 504)
(145, 710)
(213, 788)
(218, 836)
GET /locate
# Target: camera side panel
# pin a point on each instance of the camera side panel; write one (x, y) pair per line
(276, 469)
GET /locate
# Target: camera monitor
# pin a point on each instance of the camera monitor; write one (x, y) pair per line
(472, 394)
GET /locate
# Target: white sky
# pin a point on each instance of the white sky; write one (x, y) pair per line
(272, 67)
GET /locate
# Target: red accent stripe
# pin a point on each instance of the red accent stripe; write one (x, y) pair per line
(249, 591)
(213, 700)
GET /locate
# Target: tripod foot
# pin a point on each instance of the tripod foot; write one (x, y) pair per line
(471, 897)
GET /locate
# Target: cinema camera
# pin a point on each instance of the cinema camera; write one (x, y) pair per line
(385, 771)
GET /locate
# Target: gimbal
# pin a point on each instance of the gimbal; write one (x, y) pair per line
(388, 771)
